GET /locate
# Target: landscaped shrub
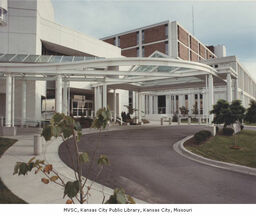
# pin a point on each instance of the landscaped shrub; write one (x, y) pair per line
(202, 136)
(217, 129)
(85, 122)
(228, 131)
(145, 121)
(175, 118)
(241, 127)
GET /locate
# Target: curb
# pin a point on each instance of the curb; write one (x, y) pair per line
(179, 148)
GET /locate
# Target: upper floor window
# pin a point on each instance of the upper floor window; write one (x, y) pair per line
(166, 48)
(143, 36)
(143, 51)
(138, 37)
(118, 44)
(138, 52)
(166, 30)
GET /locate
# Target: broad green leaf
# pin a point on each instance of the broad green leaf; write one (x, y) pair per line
(67, 132)
(84, 157)
(77, 126)
(103, 160)
(30, 166)
(71, 189)
(47, 133)
(16, 168)
(23, 169)
(120, 196)
(56, 131)
(58, 117)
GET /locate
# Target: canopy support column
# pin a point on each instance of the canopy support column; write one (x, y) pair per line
(8, 102)
(114, 105)
(229, 88)
(211, 99)
(58, 94)
(105, 96)
(24, 103)
(65, 97)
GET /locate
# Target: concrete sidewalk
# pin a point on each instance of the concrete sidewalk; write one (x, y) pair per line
(30, 188)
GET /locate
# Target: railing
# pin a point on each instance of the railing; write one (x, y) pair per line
(78, 112)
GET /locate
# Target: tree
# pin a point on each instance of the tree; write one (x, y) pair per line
(237, 111)
(227, 114)
(251, 112)
(67, 128)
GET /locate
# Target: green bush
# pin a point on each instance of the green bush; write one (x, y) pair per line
(202, 136)
(175, 118)
(228, 131)
(241, 127)
(145, 121)
(85, 122)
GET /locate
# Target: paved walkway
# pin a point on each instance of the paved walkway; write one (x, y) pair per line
(29, 187)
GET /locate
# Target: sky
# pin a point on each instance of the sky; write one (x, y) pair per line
(231, 23)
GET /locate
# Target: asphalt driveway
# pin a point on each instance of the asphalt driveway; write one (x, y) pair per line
(144, 163)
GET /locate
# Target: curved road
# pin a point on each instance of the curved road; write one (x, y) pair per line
(144, 163)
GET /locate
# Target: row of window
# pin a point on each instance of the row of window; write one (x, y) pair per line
(143, 50)
(143, 36)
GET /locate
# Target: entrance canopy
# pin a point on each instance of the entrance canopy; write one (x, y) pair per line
(155, 72)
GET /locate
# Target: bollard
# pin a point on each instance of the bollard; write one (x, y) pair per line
(179, 120)
(170, 121)
(37, 145)
(199, 120)
(213, 130)
(1, 121)
(189, 120)
(162, 121)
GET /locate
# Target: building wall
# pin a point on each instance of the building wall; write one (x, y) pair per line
(29, 23)
(154, 34)
(149, 49)
(181, 44)
(130, 52)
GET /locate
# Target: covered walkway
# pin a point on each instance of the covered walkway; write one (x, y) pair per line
(140, 75)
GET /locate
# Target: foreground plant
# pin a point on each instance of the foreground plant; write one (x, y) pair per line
(77, 191)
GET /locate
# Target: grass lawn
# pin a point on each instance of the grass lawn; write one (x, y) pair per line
(219, 148)
(6, 196)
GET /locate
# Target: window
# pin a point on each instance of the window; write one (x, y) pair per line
(143, 51)
(166, 30)
(186, 97)
(138, 52)
(118, 42)
(138, 38)
(166, 48)
(195, 96)
(143, 36)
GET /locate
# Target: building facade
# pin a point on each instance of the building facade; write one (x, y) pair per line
(166, 37)
(171, 39)
(158, 69)
(28, 33)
